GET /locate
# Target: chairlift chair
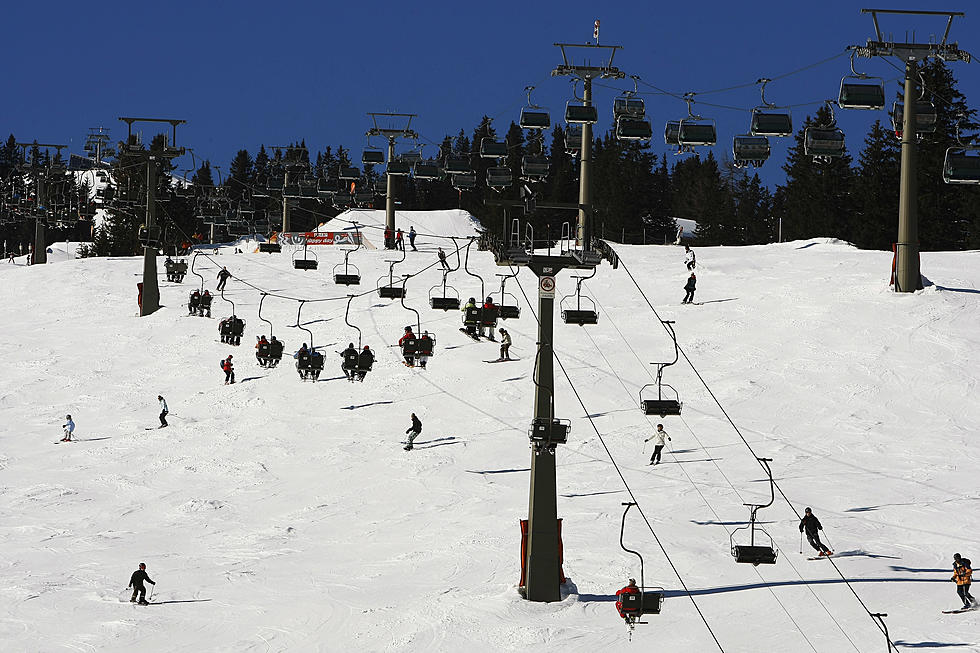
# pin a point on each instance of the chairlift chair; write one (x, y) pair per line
(580, 315)
(504, 310)
(662, 405)
(426, 171)
(372, 156)
(349, 173)
(547, 432)
(768, 122)
(447, 300)
(671, 130)
(491, 148)
(750, 150)
(925, 117)
(859, 91)
(350, 276)
(573, 138)
(499, 177)
(534, 166)
(633, 129)
(305, 263)
(464, 181)
(581, 114)
(389, 290)
(534, 118)
(962, 162)
(398, 168)
(458, 166)
(824, 142)
(630, 107)
(694, 131)
(634, 606)
(752, 553)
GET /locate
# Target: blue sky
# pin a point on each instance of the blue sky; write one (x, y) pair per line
(244, 73)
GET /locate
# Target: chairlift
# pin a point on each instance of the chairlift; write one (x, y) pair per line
(349, 173)
(411, 157)
(632, 606)
(390, 290)
(422, 346)
(505, 310)
(350, 276)
(309, 364)
(491, 148)
(633, 129)
(752, 553)
(231, 328)
(534, 167)
(749, 150)
(150, 236)
(458, 166)
(305, 263)
(499, 177)
(269, 353)
(426, 171)
(364, 198)
(962, 162)
(694, 131)
(768, 119)
(573, 138)
(581, 314)
(925, 117)
(860, 91)
(628, 105)
(372, 156)
(671, 130)
(448, 299)
(581, 114)
(663, 406)
(824, 142)
(398, 168)
(533, 116)
(464, 181)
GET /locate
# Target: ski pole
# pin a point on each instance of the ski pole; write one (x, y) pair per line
(152, 590)
(801, 542)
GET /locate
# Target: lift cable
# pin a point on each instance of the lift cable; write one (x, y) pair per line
(629, 490)
(746, 442)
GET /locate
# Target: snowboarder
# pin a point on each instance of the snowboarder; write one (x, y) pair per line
(69, 427)
(349, 364)
(810, 525)
(690, 286)
(229, 370)
(411, 238)
(223, 278)
(400, 239)
(963, 575)
(136, 583)
(442, 259)
(409, 359)
(658, 443)
(413, 431)
(364, 362)
(504, 344)
(163, 412)
(631, 588)
(689, 258)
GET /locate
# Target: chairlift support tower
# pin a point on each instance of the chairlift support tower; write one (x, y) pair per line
(392, 135)
(150, 301)
(40, 254)
(586, 72)
(288, 162)
(908, 277)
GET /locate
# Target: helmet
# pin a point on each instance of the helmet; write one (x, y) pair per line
(350, 345)
(472, 299)
(229, 356)
(489, 298)
(142, 565)
(366, 348)
(408, 328)
(67, 416)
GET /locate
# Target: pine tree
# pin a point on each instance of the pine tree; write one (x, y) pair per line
(241, 176)
(876, 185)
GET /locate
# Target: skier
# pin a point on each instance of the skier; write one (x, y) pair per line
(504, 344)
(223, 278)
(261, 346)
(388, 244)
(658, 443)
(963, 575)
(136, 582)
(470, 326)
(229, 370)
(275, 349)
(488, 318)
(163, 412)
(194, 303)
(413, 431)
(349, 364)
(302, 357)
(411, 238)
(442, 259)
(690, 286)
(206, 303)
(631, 588)
(689, 259)
(400, 239)
(425, 344)
(69, 427)
(409, 359)
(810, 524)
(364, 362)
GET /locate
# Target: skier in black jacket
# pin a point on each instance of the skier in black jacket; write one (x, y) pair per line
(136, 582)
(349, 364)
(810, 525)
(690, 287)
(413, 431)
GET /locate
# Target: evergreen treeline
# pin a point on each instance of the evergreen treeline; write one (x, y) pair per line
(636, 193)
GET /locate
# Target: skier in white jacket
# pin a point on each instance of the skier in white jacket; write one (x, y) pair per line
(688, 257)
(659, 438)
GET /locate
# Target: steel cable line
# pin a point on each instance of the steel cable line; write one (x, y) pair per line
(629, 490)
(727, 480)
(746, 442)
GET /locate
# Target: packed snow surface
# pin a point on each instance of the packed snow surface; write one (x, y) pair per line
(277, 515)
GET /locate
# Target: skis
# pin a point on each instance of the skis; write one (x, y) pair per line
(970, 609)
(821, 557)
(502, 360)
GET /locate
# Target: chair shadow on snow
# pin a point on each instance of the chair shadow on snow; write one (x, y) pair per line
(920, 570)
(791, 583)
(498, 471)
(373, 403)
(183, 601)
(904, 644)
(718, 301)
(860, 553)
(438, 442)
(972, 291)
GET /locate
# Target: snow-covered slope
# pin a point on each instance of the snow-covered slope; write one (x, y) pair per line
(277, 515)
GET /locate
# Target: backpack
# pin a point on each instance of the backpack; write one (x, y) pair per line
(221, 364)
